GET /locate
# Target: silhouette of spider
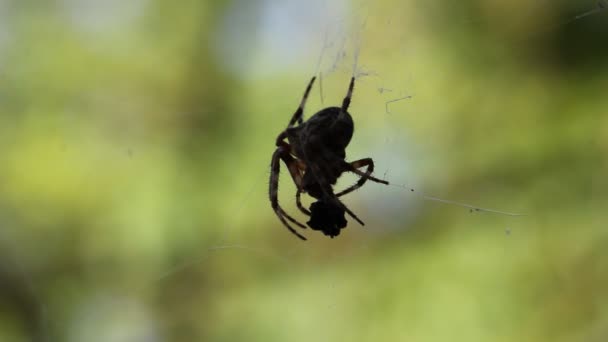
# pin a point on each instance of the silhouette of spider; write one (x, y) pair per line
(314, 154)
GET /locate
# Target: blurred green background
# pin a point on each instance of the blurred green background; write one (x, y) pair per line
(136, 136)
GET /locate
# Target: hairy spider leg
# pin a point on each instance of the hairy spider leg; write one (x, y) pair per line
(292, 166)
(329, 195)
(299, 203)
(299, 113)
(302, 166)
(295, 166)
(275, 165)
(353, 167)
(349, 95)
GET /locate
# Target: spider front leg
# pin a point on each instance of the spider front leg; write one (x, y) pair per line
(353, 167)
(297, 116)
(349, 95)
(282, 153)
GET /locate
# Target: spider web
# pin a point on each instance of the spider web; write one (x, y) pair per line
(336, 47)
(342, 51)
(340, 45)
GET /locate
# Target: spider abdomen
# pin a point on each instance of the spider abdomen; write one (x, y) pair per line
(326, 131)
(335, 128)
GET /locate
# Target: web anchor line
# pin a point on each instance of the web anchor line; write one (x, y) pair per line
(472, 208)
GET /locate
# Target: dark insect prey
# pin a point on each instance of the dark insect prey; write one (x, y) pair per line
(314, 154)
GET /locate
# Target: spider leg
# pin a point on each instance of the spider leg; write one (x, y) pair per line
(330, 196)
(353, 167)
(349, 95)
(299, 203)
(302, 167)
(343, 206)
(296, 169)
(293, 165)
(274, 189)
(297, 116)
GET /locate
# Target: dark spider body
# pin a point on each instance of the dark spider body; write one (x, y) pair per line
(315, 156)
(322, 141)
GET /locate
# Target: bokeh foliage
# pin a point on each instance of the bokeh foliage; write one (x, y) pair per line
(134, 148)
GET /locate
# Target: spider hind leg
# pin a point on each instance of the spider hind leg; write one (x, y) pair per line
(275, 167)
(353, 167)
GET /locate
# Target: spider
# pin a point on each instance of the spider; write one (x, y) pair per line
(314, 154)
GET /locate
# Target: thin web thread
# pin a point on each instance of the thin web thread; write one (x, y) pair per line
(471, 207)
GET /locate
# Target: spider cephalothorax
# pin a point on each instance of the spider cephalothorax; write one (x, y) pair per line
(315, 154)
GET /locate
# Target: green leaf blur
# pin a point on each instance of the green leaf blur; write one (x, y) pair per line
(135, 142)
